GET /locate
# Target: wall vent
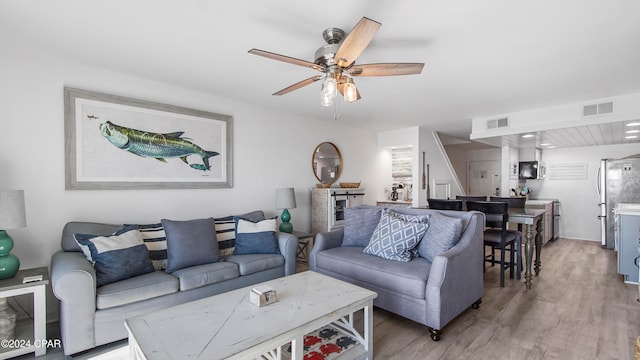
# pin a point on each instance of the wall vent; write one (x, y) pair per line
(597, 109)
(498, 123)
(605, 108)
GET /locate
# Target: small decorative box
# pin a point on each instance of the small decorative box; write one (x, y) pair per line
(263, 295)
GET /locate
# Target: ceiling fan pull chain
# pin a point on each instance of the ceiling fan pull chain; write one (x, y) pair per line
(336, 111)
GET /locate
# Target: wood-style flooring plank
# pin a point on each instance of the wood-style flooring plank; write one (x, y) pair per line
(578, 308)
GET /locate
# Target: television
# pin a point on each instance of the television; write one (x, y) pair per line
(528, 170)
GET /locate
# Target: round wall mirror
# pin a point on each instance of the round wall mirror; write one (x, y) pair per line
(326, 163)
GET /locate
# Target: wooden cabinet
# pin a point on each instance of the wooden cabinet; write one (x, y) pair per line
(327, 207)
(547, 221)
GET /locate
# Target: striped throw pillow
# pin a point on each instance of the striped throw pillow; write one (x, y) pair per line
(226, 235)
(156, 241)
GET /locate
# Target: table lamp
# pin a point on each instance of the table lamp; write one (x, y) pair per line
(12, 216)
(285, 199)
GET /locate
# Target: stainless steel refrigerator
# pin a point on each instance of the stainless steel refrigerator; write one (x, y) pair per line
(618, 182)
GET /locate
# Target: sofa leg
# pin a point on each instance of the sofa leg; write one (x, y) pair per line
(435, 334)
(476, 305)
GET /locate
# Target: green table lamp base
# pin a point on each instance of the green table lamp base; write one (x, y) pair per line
(286, 226)
(9, 263)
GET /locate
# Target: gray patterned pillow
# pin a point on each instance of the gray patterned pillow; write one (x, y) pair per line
(394, 238)
(359, 224)
(444, 232)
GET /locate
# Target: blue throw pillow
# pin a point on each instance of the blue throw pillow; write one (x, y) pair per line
(256, 237)
(444, 232)
(395, 238)
(226, 230)
(116, 257)
(359, 224)
(190, 243)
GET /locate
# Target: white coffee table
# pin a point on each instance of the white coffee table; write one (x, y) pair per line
(229, 326)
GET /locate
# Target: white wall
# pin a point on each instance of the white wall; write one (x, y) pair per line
(458, 158)
(423, 140)
(387, 140)
(265, 156)
(578, 198)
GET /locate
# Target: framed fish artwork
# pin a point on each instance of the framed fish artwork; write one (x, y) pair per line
(116, 142)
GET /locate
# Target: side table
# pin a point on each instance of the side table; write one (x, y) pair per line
(303, 245)
(28, 337)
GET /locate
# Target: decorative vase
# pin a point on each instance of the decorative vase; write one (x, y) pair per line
(7, 320)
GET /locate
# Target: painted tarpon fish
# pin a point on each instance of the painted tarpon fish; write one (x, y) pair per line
(154, 145)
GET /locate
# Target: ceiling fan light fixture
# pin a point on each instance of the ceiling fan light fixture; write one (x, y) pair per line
(329, 91)
(325, 100)
(350, 91)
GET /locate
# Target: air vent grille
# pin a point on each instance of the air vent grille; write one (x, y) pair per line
(498, 123)
(597, 109)
(605, 108)
(590, 110)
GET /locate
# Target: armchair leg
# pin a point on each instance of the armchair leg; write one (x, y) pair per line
(476, 305)
(435, 334)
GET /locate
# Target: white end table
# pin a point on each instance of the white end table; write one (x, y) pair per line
(28, 337)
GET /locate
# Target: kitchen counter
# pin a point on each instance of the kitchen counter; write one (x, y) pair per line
(394, 203)
(539, 202)
(549, 221)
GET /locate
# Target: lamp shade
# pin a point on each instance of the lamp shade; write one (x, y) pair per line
(285, 198)
(12, 212)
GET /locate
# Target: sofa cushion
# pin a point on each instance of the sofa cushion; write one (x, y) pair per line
(134, 289)
(198, 276)
(444, 232)
(253, 263)
(359, 224)
(116, 257)
(394, 238)
(406, 278)
(256, 237)
(190, 243)
(156, 241)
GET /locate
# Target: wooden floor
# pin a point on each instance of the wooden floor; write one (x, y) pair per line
(578, 308)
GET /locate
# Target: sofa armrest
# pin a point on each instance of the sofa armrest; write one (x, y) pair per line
(324, 241)
(288, 244)
(73, 281)
(456, 277)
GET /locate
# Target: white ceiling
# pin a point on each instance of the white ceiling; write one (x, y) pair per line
(482, 57)
(619, 132)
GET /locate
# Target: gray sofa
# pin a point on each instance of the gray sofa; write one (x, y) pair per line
(431, 293)
(91, 316)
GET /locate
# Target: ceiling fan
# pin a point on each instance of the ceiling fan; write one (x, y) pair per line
(337, 61)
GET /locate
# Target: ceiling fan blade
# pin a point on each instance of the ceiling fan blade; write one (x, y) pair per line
(298, 85)
(357, 40)
(386, 69)
(287, 59)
